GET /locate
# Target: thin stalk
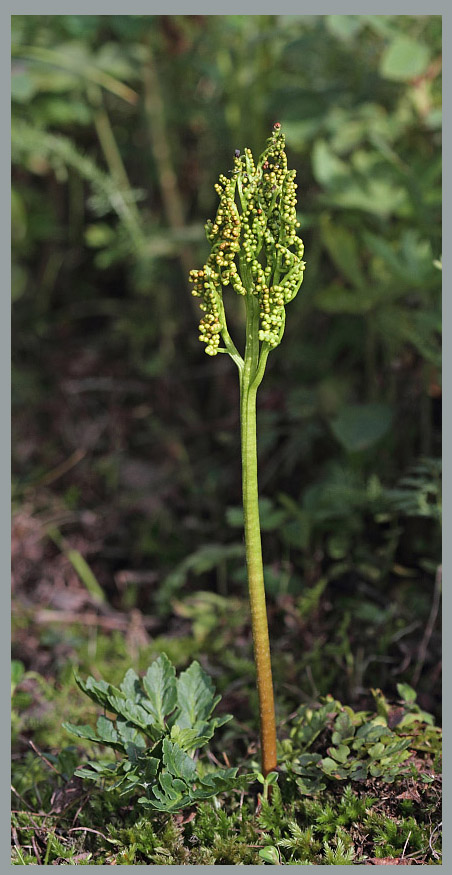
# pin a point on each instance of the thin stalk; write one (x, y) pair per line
(114, 160)
(251, 376)
(154, 106)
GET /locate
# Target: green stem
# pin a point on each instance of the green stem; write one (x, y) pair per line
(251, 376)
(115, 163)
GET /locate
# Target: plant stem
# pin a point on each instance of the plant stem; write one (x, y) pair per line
(160, 139)
(251, 376)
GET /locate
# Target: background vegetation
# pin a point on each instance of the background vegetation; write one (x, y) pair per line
(127, 535)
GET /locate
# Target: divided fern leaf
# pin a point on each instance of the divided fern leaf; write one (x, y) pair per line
(157, 724)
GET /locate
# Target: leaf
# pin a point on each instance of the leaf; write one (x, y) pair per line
(96, 771)
(129, 734)
(272, 778)
(178, 763)
(406, 693)
(171, 796)
(172, 786)
(195, 696)
(86, 576)
(371, 732)
(343, 728)
(339, 753)
(106, 730)
(218, 781)
(131, 686)
(133, 713)
(343, 248)
(306, 759)
(86, 732)
(74, 58)
(373, 195)
(419, 717)
(160, 685)
(98, 691)
(328, 765)
(404, 59)
(270, 855)
(396, 747)
(344, 26)
(188, 739)
(360, 426)
(327, 167)
(376, 750)
(308, 786)
(358, 772)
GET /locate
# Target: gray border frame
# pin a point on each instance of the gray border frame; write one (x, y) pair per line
(182, 7)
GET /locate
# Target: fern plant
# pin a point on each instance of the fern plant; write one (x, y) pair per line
(356, 745)
(157, 726)
(256, 251)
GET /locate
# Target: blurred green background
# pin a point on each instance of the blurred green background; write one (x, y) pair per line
(126, 436)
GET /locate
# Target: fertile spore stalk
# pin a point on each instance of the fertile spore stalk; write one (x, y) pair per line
(254, 249)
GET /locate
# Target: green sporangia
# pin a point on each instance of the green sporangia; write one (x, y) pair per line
(254, 250)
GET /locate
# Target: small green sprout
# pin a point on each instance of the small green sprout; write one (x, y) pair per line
(267, 781)
(256, 251)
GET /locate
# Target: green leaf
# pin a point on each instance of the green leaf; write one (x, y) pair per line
(97, 771)
(270, 855)
(188, 739)
(174, 787)
(360, 426)
(272, 778)
(131, 686)
(311, 785)
(160, 685)
(195, 696)
(98, 691)
(419, 717)
(131, 712)
(344, 26)
(327, 167)
(129, 734)
(339, 753)
(86, 732)
(397, 746)
(406, 693)
(404, 59)
(343, 728)
(370, 733)
(172, 796)
(376, 750)
(217, 782)
(373, 195)
(328, 765)
(358, 772)
(343, 248)
(307, 759)
(86, 576)
(178, 762)
(106, 730)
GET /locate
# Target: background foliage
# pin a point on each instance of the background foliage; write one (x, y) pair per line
(127, 530)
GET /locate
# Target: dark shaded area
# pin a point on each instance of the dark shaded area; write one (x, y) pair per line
(126, 437)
